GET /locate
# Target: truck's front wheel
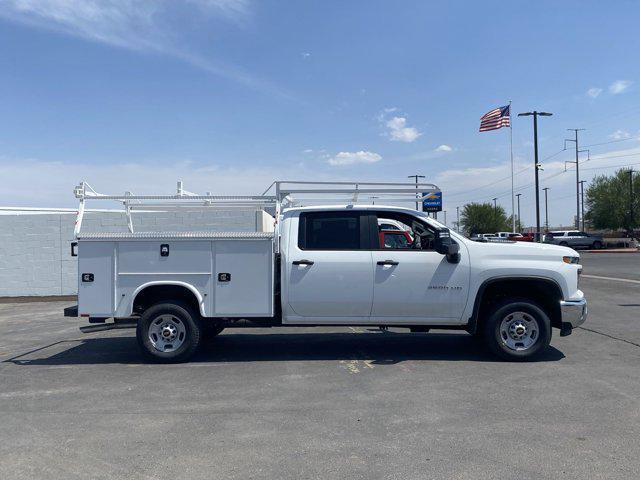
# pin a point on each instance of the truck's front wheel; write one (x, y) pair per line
(517, 330)
(168, 332)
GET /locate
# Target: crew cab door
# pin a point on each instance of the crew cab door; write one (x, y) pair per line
(329, 268)
(414, 283)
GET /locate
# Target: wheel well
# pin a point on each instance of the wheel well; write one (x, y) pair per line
(153, 294)
(545, 293)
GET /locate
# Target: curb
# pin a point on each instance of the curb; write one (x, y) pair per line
(613, 250)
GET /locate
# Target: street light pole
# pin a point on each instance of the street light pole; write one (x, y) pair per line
(535, 115)
(546, 208)
(519, 220)
(458, 219)
(416, 177)
(445, 217)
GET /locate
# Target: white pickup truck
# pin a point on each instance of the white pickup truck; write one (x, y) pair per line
(320, 265)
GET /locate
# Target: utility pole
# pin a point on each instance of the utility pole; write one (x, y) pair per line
(458, 219)
(416, 177)
(631, 219)
(445, 217)
(575, 140)
(519, 220)
(546, 209)
(535, 115)
(582, 182)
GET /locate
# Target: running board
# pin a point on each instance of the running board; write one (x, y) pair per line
(107, 326)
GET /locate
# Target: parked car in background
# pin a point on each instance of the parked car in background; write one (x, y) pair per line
(389, 224)
(574, 239)
(482, 237)
(521, 237)
(395, 239)
(528, 237)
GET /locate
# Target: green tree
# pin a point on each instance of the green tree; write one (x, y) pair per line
(483, 218)
(608, 204)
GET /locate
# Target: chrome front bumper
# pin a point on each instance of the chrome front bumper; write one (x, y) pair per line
(574, 312)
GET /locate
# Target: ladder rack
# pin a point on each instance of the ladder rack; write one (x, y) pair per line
(286, 194)
(294, 193)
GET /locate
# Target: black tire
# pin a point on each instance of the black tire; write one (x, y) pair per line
(597, 245)
(179, 313)
(493, 337)
(563, 244)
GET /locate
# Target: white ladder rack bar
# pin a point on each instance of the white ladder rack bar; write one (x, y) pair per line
(285, 191)
(401, 192)
(181, 201)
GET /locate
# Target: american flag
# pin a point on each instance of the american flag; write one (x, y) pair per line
(495, 119)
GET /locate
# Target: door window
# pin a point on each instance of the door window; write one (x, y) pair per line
(330, 231)
(413, 234)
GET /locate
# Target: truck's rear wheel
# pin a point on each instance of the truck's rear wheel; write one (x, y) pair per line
(517, 330)
(169, 332)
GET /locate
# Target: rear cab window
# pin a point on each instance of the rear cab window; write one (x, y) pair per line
(337, 230)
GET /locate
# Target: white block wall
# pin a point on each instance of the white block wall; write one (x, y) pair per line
(35, 256)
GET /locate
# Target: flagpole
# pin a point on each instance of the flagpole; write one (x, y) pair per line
(513, 203)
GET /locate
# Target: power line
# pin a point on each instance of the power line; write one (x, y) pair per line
(613, 166)
(489, 184)
(612, 141)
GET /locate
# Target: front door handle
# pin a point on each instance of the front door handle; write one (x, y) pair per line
(302, 262)
(388, 262)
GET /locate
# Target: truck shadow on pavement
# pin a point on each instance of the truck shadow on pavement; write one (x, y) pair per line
(378, 348)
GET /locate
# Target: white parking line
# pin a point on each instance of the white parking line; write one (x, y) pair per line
(627, 280)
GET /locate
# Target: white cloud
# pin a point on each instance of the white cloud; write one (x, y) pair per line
(444, 148)
(351, 158)
(140, 25)
(399, 132)
(619, 86)
(437, 152)
(620, 135)
(594, 92)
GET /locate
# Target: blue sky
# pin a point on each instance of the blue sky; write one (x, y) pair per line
(229, 95)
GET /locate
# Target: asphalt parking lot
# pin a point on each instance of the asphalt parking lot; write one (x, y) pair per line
(325, 403)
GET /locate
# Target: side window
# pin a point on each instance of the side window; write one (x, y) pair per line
(329, 231)
(574, 234)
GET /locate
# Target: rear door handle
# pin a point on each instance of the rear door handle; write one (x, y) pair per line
(302, 262)
(388, 262)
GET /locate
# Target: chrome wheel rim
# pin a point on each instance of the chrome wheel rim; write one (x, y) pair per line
(519, 331)
(167, 333)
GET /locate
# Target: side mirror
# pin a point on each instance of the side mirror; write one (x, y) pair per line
(444, 245)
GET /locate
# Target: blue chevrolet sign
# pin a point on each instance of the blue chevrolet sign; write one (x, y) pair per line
(432, 201)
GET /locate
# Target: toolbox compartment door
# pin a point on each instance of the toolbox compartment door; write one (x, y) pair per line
(243, 278)
(96, 281)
